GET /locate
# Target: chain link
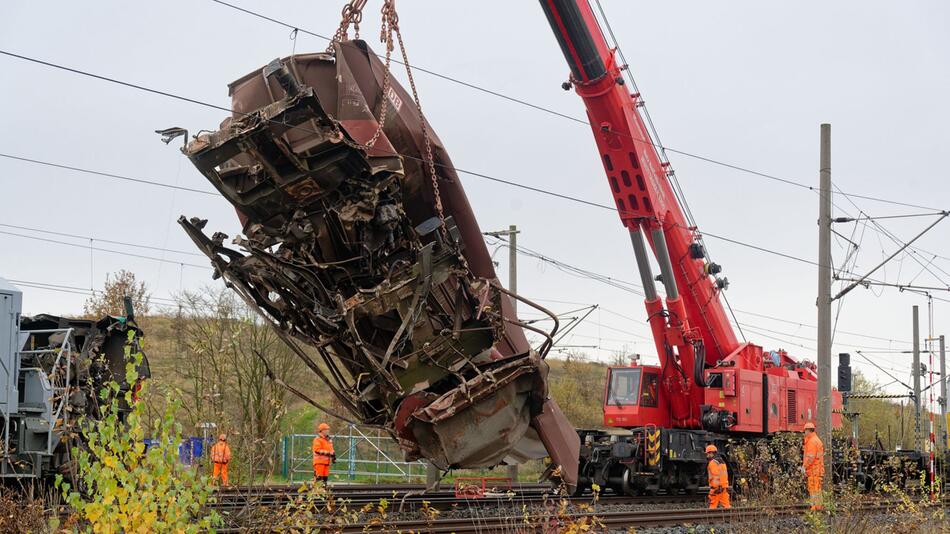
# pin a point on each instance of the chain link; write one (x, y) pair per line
(389, 21)
(352, 12)
(429, 158)
(390, 6)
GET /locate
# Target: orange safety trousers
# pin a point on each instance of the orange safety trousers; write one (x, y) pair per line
(719, 500)
(222, 470)
(322, 456)
(718, 483)
(813, 462)
(814, 491)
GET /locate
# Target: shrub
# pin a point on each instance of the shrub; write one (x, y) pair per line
(120, 486)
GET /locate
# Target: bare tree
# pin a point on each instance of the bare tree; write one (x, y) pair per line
(222, 343)
(111, 300)
(623, 357)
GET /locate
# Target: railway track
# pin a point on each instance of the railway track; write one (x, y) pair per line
(405, 497)
(279, 494)
(508, 513)
(603, 519)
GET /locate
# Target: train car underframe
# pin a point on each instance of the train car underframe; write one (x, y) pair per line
(645, 460)
(648, 460)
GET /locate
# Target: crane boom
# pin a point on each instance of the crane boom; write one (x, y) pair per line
(693, 321)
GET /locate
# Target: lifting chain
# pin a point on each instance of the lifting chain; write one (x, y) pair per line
(389, 10)
(352, 12)
(390, 22)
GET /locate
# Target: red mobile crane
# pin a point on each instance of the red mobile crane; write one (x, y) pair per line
(709, 386)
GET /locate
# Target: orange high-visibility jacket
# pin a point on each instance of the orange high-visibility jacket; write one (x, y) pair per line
(221, 453)
(718, 474)
(813, 460)
(322, 450)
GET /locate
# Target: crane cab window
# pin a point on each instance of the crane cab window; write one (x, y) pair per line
(624, 389)
(651, 387)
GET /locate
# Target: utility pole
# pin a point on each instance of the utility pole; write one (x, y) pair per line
(512, 234)
(513, 287)
(513, 264)
(824, 300)
(943, 398)
(917, 403)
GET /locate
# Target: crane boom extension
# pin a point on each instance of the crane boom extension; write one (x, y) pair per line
(693, 320)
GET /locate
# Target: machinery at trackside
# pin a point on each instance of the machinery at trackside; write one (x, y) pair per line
(51, 371)
(709, 387)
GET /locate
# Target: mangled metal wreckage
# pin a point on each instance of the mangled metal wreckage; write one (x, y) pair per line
(359, 241)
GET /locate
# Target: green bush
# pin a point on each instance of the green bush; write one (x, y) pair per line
(122, 487)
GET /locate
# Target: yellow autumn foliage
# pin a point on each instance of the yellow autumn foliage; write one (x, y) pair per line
(122, 487)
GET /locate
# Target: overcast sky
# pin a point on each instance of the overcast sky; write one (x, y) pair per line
(745, 83)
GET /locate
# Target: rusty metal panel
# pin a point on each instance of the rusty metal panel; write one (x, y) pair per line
(393, 304)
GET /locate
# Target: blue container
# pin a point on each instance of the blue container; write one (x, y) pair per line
(149, 443)
(197, 447)
(190, 450)
(184, 452)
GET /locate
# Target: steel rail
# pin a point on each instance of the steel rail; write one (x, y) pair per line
(531, 521)
(440, 500)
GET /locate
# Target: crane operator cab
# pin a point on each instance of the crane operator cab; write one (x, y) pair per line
(633, 397)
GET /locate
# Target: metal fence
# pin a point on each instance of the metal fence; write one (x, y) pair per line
(360, 453)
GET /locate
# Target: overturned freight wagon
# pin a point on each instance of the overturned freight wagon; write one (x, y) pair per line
(359, 242)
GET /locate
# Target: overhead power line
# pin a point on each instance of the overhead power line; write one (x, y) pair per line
(571, 269)
(413, 67)
(100, 249)
(107, 174)
(636, 289)
(864, 277)
(806, 325)
(565, 197)
(75, 290)
(478, 175)
(93, 239)
(463, 171)
(481, 175)
(565, 116)
(620, 284)
(881, 217)
(471, 173)
(168, 303)
(887, 233)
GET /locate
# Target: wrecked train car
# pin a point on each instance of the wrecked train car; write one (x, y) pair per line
(52, 371)
(358, 240)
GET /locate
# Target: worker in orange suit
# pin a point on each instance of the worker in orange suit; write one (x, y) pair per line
(813, 465)
(718, 479)
(220, 457)
(323, 454)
